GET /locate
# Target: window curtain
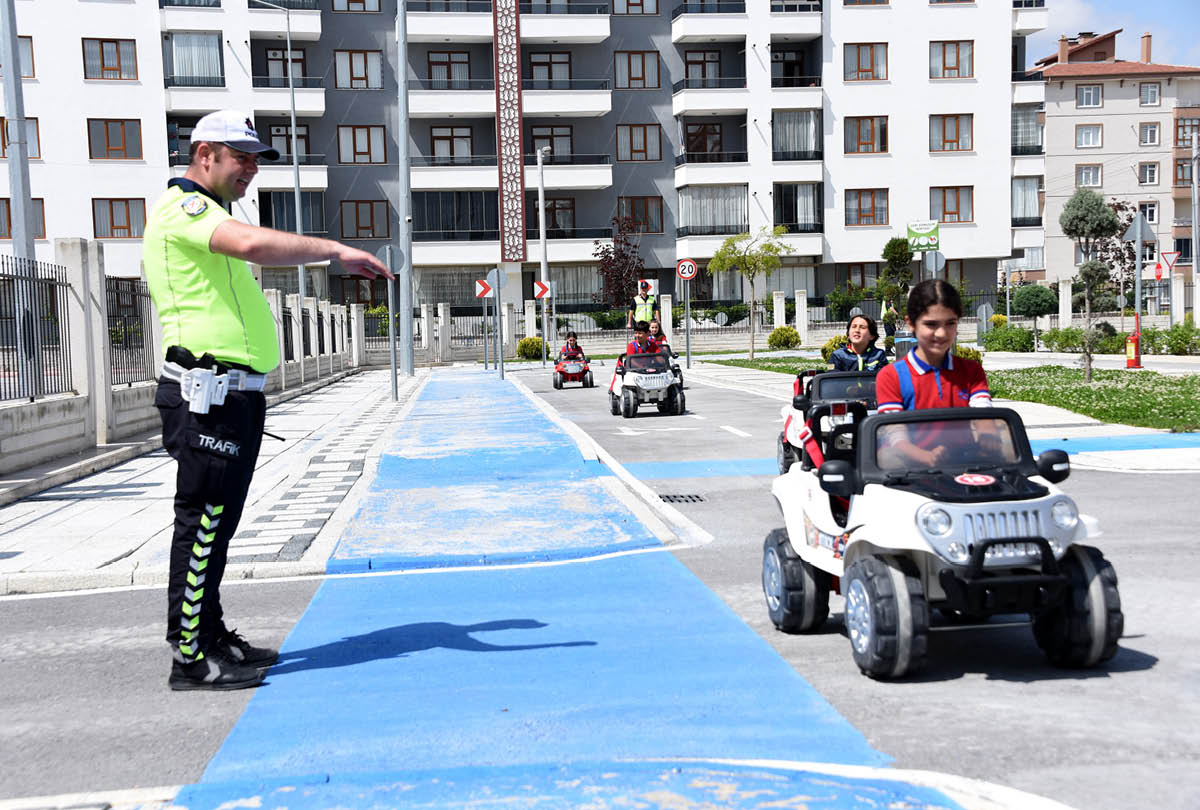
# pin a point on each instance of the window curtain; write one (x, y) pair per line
(1025, 198)
(577, 283)
(196, 55)
(1026, 131)
(875, 127)
(966, 59)
(796, 131)
(622, 69)
(798, 203)
(966, 209)
(713, 209)
(943, 127)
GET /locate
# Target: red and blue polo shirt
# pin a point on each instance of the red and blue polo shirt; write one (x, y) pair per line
(914, 384)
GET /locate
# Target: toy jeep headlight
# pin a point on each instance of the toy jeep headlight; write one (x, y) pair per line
(934, 520)
(1064, 514)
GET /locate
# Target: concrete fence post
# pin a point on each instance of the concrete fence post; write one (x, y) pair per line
(275, 303)
(665, 304)
(1064, 303)
(1177, 298)
(780, 303)
(88, 335)
(802, 315)
(426, 333)
(322, 312)
(510, 328)
(358, 334)
(443, 330)
(530, 317)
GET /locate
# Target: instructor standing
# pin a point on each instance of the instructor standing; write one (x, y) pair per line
(220, 343)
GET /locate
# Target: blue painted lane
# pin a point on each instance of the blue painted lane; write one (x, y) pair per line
(1106, 444)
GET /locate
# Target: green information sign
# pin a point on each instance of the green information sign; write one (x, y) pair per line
(923, 235)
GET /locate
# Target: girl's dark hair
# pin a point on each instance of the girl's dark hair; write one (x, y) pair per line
(572, 335)
(932, 292)
(872, 329)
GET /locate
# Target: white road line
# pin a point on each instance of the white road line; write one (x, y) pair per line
(735, 431)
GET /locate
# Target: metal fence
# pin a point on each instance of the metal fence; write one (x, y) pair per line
(35, 334)
(289, 351)
(131, 356)
(375, 330)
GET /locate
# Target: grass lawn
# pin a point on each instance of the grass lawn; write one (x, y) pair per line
(1142, 398)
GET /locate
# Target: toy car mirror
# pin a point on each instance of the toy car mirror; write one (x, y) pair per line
(837, 478)
(800, 403)
(1054, 466)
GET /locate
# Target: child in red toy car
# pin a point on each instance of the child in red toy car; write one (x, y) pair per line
(571, 350)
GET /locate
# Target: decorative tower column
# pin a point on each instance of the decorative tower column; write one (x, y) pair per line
(511, 157)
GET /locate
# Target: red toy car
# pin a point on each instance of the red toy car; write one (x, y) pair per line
(572, 369)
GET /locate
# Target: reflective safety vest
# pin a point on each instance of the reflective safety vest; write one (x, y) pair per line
(643, 310)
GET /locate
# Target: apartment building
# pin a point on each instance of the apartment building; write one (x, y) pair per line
(694, 121)
(1123, 129)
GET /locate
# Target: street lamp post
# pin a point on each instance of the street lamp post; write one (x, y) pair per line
(541, 153)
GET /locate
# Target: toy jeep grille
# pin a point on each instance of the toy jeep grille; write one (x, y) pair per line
(1007, 523)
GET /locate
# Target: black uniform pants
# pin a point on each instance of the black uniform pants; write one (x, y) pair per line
(216, 452)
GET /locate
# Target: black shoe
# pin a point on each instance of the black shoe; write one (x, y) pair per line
(240, 651)
(213, 671)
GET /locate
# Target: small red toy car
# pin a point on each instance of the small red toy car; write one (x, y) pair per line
(572, 369)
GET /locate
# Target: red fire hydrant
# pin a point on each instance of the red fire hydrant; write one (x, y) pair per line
(1133, 345)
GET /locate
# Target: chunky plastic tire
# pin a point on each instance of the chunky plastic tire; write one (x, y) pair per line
(887, 617)
(680, 404)
(588, 382)
(629, 404)
(783, 454)
(1085, 628)
(558, 380)
(614, 404)
(797, 594)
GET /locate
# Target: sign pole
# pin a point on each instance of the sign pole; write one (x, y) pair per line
(391, 324)
(485, 332)
(497, 335)
(687, 320)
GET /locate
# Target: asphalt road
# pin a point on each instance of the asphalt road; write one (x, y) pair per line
(988, 704)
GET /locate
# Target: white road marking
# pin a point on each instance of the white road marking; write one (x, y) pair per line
(735, 431)
(625, 431)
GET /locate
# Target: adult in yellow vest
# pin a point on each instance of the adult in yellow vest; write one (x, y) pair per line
(219, 340)
(644, 307)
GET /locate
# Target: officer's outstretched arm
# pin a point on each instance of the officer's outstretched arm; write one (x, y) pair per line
(272, 247)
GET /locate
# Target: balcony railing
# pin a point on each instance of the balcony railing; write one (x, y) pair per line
(1029, 3)
(281, 81)
(294, 5)
(451, 6)
(453, 84)
(794, 6)
(1181, 222)
(795, 81)
(564, 8)
(1027, 222)
(711, 230)
(710, 83)
(802, 227)
(569, 160)
(708, 8)
(182, 159)
(798, 154)
(1026, 149)
(554, 232)
(191, 3)
(710, 157)
(1023, 76)
(456, 236)
(564, 84)
(194, 81)
(452, 160)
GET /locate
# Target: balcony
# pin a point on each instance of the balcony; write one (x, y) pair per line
(572, 22)
(195, 95)
(710, 96)
(804, 238)
(797, 92)
(1027, 222)
(1027, 149)
(704, 240)
(1028, 237)
(565, 244)
(189, 3)
(1029, 17)
(710, 168)
(805, 167)
(455, 247)
(271, 95)
(710, 22)
(1028, 88)
(570, 172)
(452, 98)
(688, 231)
(449, 20)
(280, 175)
(795, 21)
(566, 98)
(452, 173)
(304, 17)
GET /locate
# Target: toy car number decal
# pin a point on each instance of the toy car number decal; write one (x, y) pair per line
(974, 479)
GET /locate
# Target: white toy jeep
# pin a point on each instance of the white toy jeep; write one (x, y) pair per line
(643, 379)
(984, 533)
(813, 387)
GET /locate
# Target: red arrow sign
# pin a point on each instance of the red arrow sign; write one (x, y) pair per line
(482, 288)
(540, 289)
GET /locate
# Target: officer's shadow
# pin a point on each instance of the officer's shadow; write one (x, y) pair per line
(396, 642)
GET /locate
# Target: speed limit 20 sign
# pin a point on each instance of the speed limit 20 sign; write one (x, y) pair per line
(686, 269)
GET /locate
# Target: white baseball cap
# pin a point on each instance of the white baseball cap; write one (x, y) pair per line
(232, 128)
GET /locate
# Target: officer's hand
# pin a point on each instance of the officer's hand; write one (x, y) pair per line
(361, 263)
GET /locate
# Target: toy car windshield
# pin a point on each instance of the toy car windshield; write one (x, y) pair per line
(839, 387)
(967, 444)
(646, 363)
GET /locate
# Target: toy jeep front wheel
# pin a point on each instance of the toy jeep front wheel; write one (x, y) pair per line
(1085, 628)
(887, 617)
(797, 594)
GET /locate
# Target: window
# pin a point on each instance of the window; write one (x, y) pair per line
(358, 70)
(560, 216)
(1183, 171)
(646, 212)
(866, 135)
(361, 145)
(1026, 208)
(951, 133)
(1080, 258)
(276, 59)
(1148, 94)
(356, 5)
(703, 68)
(364, 219)
(110, 59)
(281, 139)
(1184, 128)
(39, 218)
(1089, 136)
(277, 209)
(787, 68)
(639, 142)
(1150, 211)
(560, 139)
(455, 215)
(193, 59)
(33, 141)
(118, 219)
(952, 60)
(1148, 174)
(635, 70)
(1184, 246)
(548, 67)
(796, 135)
(865, 62)
(632, 7)
(449, 70)
(26, 46)
(799, 206)
(865, 2)
(1087, 176)
(867, 206)
(1149, 252)
(860, 274)
(451, 144)
(707, 210)
(703, 139)
(1089, 95)
(1148, 134)
(114, 139)
(952, 204)
(1027, 131)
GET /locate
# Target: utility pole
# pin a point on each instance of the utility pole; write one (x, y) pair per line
(403, 266)
(541, 153)
(1195, 210)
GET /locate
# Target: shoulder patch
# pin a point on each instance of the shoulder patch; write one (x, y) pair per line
(194, 205)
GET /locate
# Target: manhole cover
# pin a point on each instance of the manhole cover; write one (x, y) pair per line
(682, 498)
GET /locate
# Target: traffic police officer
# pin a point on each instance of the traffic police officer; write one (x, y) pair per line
(644, 307)
(220, 343)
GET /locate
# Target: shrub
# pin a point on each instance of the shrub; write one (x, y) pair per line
(1008, 339)
(1111, 344)
(998, 320)
(1154, 340)
(840, 301)
(1067, 339)
(1182, 338)
(608, 319)
(889, 343)
(832, 346)
(1107, 328)
(968, 352)
(783, 337)
(530, 348)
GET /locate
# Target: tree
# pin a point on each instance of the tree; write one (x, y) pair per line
(1115, 252)
(1033, 302)
(892, 284)
(1086, 219)
(1094, 276)
(620, 262)
(752, 256)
